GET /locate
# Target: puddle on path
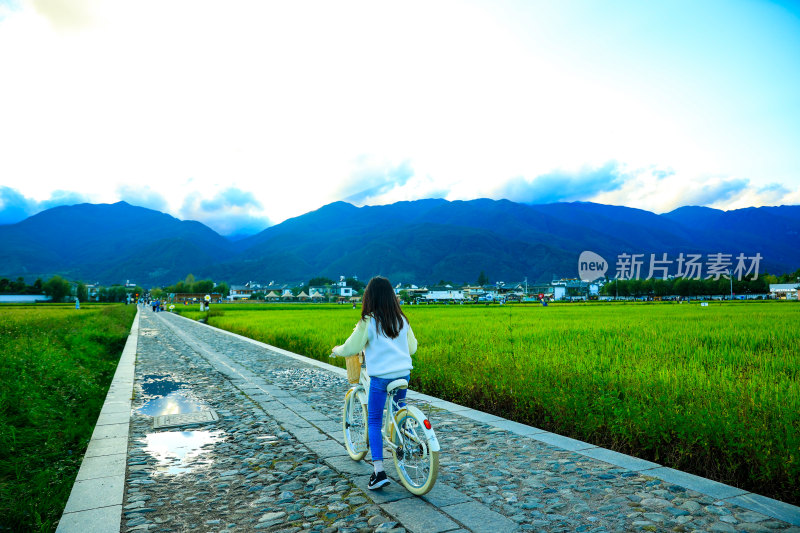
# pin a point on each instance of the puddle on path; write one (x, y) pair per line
(180, 452)
(168, 396)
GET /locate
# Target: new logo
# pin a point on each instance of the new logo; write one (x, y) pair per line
(591, 266)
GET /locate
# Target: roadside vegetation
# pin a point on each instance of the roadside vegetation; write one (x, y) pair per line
(56, 367)
(686, 287)
(59, 290)
(710, 390)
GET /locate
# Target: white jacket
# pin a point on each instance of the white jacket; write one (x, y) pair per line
(386, 358)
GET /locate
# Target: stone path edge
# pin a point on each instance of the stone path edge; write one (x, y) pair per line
(751, 501)
(95, 502)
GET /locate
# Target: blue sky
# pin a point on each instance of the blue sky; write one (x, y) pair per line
(243, 114)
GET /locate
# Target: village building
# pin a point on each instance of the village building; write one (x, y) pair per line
(192, 297)
(784, 291)
(23, 298)
(321, 291)
(472, 292)
(344, 290)
(490, 292)
(545, 291)
(272, 296)
(240, 292)
(93, 290)
(338, 290)
(444, 294)
(315, 295)
(411, 292)
(576, 289)
(247, 291)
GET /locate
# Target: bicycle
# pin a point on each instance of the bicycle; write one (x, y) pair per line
(406, 430)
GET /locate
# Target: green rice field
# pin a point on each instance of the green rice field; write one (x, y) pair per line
(56, 365)
(710, 390)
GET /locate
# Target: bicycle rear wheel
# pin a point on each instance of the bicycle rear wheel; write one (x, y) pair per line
(416, 464)
(354, 425)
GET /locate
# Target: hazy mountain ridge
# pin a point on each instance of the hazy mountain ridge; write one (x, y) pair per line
(108, 243)
(422, 241)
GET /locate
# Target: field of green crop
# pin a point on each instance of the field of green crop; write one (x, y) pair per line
(56, 364)
(710, 390)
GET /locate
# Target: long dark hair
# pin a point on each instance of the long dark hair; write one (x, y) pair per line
(380, 301)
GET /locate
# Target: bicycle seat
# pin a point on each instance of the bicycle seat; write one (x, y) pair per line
(397, 384)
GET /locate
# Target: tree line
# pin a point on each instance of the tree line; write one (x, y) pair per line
(693, 287)
(20, 287)
(58, 289)
(190, 286)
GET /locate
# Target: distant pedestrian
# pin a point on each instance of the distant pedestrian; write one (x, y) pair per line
(77, 304)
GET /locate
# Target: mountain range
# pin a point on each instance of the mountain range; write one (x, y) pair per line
(421, 241)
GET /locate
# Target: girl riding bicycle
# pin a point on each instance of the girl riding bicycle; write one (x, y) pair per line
(386, 338)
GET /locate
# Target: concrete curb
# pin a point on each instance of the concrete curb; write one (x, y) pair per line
(95, 503)
(754, 502)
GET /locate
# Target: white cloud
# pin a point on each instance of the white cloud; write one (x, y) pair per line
(650, 189)
(142, 197)
(66, 14)
(228, 212)
(286, 101)
(14, 206)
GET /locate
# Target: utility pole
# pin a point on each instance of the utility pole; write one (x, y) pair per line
(730, 277)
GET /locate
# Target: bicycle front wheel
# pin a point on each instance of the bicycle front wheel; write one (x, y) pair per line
(354, 425)
(416, 464)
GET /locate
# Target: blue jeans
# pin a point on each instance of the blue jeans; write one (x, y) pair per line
(377, 399)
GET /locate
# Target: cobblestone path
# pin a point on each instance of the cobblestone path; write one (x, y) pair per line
(274, 461)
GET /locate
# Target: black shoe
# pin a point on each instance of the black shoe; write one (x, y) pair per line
(378, 480)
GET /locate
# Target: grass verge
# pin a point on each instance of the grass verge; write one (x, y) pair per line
(56, 365)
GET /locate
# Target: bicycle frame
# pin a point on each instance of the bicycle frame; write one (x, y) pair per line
(361, 390)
